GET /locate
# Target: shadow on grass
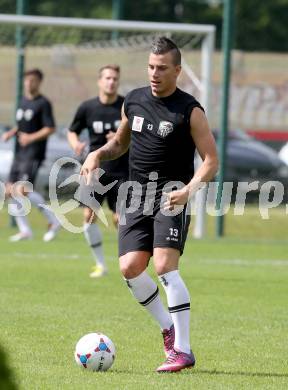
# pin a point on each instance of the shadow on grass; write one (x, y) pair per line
(241, 373)
(192, 372)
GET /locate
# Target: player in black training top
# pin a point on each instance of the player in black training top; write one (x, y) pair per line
(101, 116)
(35, 123)
(163, 126)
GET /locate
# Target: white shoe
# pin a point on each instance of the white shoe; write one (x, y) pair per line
(51, 232)
(20, 237)
(98, 271)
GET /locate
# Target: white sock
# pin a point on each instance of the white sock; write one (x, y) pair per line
(179, 306)
(23, 225)
(93, 236)
(146, 292)
(21, 221)
(37, 200)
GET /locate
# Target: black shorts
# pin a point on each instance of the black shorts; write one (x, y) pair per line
(145, 232)
(24, 170)
(112, 194)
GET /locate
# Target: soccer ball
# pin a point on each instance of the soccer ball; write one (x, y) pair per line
(95, 352)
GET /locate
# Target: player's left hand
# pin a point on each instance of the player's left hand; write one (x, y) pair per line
(25, 138)
(176, 198)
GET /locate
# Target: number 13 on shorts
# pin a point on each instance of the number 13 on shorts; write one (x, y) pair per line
(173, 232)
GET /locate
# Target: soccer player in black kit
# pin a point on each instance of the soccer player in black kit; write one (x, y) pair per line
(163, 126)
(35, 123)
(101, 116)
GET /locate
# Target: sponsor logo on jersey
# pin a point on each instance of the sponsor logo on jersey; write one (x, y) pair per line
(98, 127)
(107, 126)
(26, 114)
(137, 123)
(165, 128)
(19, 114)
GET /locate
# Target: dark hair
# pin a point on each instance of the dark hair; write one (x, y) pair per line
(114, 67)
(163, 45)
(34, 72)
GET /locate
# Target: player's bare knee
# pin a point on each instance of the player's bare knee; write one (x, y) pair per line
(89, 215)
(132, 266)
(18, 190)
(162, 267)
(8, 190)
(127, 268)
(165, 260)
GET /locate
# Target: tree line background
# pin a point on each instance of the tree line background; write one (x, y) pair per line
(259, 24)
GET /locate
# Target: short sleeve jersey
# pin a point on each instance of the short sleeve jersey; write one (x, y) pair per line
(99, 119)
(31, 116)
(160, 136)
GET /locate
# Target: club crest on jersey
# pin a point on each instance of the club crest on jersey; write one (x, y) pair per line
(165, 128)
(137, 123)
(98, 127)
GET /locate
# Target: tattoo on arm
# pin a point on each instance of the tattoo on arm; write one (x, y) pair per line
(118, 145)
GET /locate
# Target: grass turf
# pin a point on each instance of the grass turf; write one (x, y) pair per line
(239, 312)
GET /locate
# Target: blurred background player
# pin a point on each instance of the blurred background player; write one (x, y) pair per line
(101, 115)
(35, 123)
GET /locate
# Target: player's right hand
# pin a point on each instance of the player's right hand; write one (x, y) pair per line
(5, 136)
(79, 148)
(89, 167)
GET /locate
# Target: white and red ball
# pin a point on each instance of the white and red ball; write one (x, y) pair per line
(95, 352)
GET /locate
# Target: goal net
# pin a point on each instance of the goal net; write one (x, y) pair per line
(71, 55)
(71, 51)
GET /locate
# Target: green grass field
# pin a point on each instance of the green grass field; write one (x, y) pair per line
(239, 317)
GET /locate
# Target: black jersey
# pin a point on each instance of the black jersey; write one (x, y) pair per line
(160, 136)
(99, 119)
(32, 115)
